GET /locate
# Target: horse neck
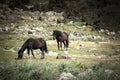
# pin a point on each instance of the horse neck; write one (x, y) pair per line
(24, 46)
(58, 35)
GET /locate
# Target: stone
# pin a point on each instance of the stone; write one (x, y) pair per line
(66, 76)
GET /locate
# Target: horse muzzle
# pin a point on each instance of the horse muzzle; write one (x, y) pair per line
(20, 56)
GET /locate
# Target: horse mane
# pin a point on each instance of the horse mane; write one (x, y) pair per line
(58, 32)
(24, 46)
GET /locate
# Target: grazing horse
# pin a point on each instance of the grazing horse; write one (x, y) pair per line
(31, 44)
(61, 37)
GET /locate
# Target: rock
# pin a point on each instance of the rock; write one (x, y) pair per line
(108, 71)
(2, 17)
(66, 76)
(40, 18)
(63, 56)
(84, 73)
(81, 45)
(60, 20)
(51, 53)
(3, 28)
(19, 10)
(30, 32)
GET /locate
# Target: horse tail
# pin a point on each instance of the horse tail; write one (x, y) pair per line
(45, 47)
(67, 43)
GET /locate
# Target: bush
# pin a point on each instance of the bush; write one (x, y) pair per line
(28, 70)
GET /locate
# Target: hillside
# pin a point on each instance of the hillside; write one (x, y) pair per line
(99, 14)
(94, 39)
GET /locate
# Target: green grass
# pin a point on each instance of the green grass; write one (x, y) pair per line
(45, 70)
(90, 59)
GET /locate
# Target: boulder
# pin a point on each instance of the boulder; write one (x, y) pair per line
(66, 76)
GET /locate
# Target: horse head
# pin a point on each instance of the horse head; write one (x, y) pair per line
(20, 54)
(56, 33)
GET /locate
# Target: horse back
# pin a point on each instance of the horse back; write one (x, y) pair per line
(64, 36)
(35, 43)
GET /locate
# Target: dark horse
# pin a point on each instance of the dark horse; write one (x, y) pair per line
(61, 37)
(31, 44)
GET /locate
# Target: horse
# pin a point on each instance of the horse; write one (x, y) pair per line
(61, 37)
(31, 44)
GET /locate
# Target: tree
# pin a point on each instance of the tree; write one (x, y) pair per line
(56, 3)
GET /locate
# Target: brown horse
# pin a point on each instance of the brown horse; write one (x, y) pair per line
(31, 44)
(61, 37)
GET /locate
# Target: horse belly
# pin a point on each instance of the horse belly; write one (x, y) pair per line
(36, 47)
(63, 39)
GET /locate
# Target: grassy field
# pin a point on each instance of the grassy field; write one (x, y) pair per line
(95, 54)
(91, 61)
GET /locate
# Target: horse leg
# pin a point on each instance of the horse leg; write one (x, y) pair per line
(58, 45)
(61, 45)
(42, 53)
(28, 52)
(67, 43)
(64, 44)
(32, 53)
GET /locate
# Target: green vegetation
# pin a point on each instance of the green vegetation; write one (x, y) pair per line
(43, 70)
(95, 54)
(91, 59)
